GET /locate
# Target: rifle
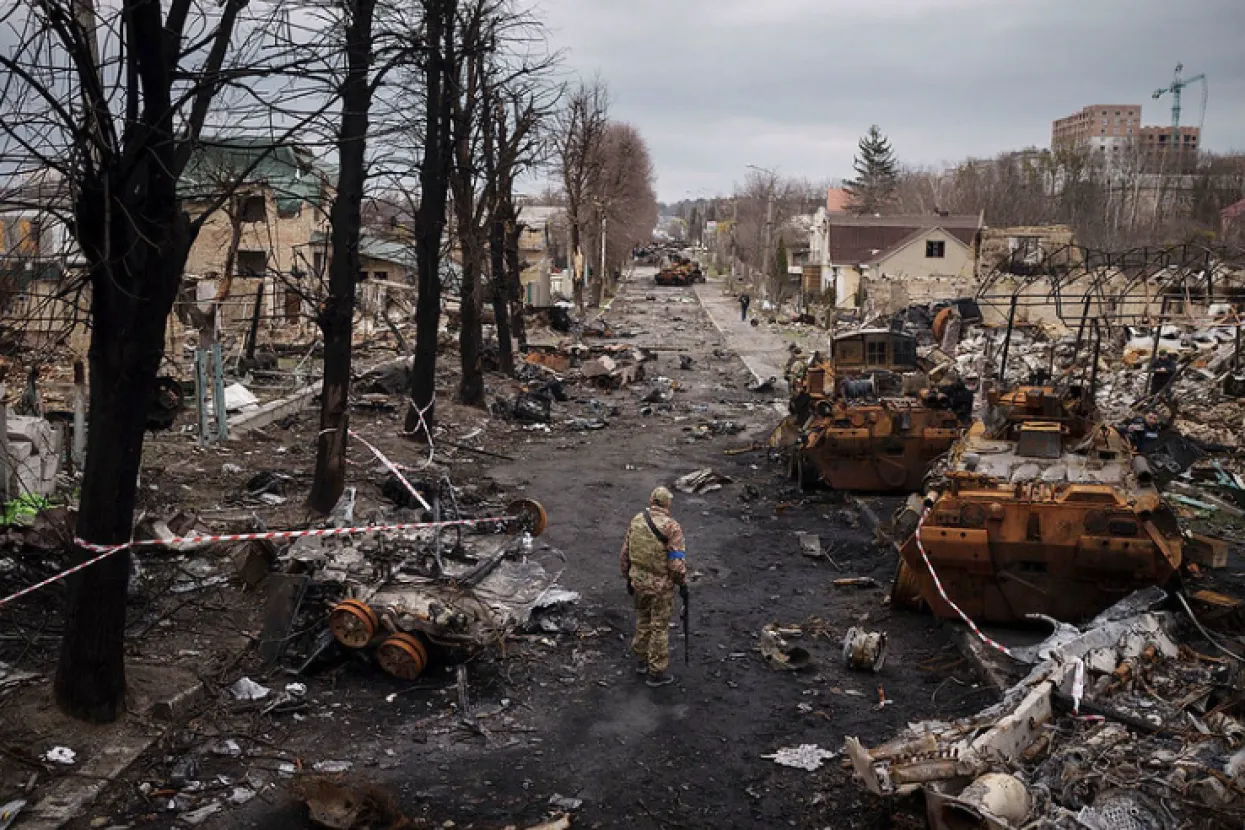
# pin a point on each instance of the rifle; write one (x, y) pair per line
(687, 632)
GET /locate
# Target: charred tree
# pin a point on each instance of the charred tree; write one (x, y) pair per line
(135, 236)
(337, 312)
(466, 121)
(434, 182)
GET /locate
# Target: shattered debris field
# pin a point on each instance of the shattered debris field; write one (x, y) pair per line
(526, 709)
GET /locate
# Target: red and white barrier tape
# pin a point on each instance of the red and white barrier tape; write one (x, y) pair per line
(943, 593)
(105, 551)
(393, 468)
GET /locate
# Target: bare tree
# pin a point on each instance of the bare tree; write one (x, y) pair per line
(337, 312)
(580, 129)
(515, 141)
(436, 163)
(117, 121)
(623, 198)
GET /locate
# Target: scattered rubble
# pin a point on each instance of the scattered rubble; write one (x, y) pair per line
(704, 480)
(1126, 704)
(809, 757)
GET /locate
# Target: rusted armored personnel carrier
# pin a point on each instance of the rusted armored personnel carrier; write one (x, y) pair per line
(1040, 510)
(865, 419)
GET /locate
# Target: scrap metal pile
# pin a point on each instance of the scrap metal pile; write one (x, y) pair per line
(1119, 725)
(407, 595)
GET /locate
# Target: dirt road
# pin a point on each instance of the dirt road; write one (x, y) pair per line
(563, 713)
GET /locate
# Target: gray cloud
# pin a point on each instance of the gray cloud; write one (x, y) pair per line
(791, 84)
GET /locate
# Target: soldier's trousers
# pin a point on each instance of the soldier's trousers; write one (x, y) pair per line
(652, 629)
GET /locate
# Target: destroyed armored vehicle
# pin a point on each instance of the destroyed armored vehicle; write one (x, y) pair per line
(866, 419)
(439, 591)
(1039, 510)
(681, 271)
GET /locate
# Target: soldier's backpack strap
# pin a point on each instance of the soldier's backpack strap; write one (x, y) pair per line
(652, 525)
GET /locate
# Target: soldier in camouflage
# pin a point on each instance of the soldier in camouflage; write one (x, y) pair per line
(653, 562)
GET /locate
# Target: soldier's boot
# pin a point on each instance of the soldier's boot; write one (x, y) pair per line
(658, 679)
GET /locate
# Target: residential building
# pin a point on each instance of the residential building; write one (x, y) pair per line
(817, 273)
(1160, 138)
(281, 210)
(1027, 250)
(1100, 126)
(898, 259)
(542, 256)
(1112, 129)
(1232, 222)
(40, 265)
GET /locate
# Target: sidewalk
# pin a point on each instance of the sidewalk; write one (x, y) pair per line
(762, 350)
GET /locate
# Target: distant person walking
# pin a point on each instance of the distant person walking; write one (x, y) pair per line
(744, 302)
(653, 563)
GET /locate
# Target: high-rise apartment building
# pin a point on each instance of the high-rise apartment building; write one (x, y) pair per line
(1101, 126)
(1110, 128)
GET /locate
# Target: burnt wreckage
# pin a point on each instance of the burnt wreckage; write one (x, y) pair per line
(1038, 510)
(866, 419)
(1042, 507)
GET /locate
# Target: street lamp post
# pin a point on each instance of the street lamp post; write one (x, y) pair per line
(766, 265)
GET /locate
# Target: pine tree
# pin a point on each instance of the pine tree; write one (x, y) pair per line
(872, 189)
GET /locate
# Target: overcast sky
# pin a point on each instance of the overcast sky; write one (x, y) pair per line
(715, 85)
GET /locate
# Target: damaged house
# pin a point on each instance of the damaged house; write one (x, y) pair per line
(892, 262)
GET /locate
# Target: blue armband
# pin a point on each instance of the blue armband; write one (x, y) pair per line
(677, 554)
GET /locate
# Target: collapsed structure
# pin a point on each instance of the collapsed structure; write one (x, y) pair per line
(1119, 725)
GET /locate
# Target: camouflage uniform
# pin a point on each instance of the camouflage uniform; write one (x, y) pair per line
(654, 570)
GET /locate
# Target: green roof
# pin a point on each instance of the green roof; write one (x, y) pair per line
(288, 169)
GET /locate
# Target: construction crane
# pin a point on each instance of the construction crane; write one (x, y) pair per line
(1177, 87)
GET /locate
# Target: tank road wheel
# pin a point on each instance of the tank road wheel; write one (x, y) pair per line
(906, 591)
(353, 623)
(528, 516)
(403, 656)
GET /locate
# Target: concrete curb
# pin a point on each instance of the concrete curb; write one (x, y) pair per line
(71, 797)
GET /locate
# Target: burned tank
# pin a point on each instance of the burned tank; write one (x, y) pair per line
(1040, 510)
(866, 419)
(681, 271)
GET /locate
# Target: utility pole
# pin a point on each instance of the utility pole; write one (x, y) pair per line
(768, 253)
(604, 222)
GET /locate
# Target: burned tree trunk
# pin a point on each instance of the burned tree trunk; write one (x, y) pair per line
(337, 314)
(514, 268)
(131, 300)
(500, 292)
(471, 390)
(434, 179)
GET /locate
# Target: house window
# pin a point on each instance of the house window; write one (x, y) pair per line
(317, 263)
(381, 275)
(252, 263)
(875, 353)
(935, 249)
(253, 209)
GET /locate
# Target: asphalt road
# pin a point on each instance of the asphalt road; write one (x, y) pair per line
(567, 714)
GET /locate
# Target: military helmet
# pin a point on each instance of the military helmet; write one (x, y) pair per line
(661, 497)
